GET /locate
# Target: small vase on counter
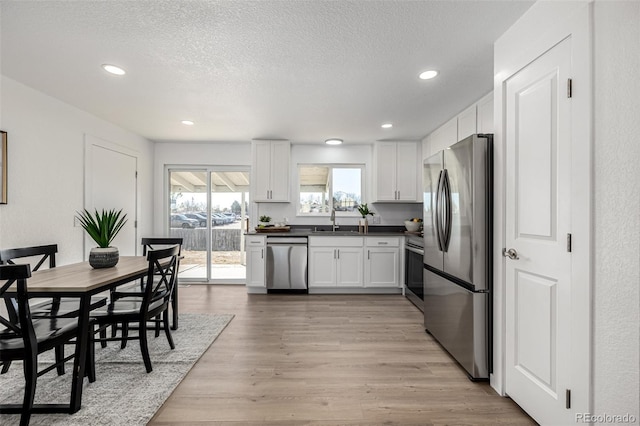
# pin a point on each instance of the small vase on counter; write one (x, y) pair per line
(363, 226)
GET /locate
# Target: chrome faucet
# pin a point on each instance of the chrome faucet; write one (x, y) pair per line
(333, 220)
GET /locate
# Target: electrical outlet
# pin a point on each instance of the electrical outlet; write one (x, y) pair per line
(376, 220)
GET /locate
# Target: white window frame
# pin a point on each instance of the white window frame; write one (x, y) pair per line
(361, 167)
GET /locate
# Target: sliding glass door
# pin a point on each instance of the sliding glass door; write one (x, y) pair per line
(208, 207)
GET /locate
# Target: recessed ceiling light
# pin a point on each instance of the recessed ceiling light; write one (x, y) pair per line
(387, 126)
(187, 122)
(426, 75)
(112, 69)
(333, 141)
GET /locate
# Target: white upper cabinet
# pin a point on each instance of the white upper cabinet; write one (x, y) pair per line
(396, 172)
(467, 123)
(270, 171)
(485, 114)
(478, 118)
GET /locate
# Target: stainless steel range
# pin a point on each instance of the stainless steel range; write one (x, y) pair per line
(413, 270)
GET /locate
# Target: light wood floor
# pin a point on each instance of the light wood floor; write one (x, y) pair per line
(330, 360)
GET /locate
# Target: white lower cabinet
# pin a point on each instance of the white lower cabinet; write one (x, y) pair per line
(382, 262)
(255, 246)
(336, 262)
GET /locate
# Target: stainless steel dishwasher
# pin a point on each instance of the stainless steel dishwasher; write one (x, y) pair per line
(287, 263)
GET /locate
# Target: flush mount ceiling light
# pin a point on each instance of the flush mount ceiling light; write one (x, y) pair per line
(387, 126)
(187, 122)
(112, 69)
(333, 141)
(427, 75)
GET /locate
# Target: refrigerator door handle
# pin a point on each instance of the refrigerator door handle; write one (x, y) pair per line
(438, 213)
(448, 219)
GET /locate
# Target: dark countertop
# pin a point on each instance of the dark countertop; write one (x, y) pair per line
(343, 231)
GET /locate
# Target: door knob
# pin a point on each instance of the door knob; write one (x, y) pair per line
(511, 253)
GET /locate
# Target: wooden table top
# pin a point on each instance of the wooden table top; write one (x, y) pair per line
(82, 278)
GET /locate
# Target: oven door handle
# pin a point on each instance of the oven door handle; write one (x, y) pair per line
(415, 250)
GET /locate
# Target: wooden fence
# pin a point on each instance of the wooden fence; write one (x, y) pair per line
(196, 239)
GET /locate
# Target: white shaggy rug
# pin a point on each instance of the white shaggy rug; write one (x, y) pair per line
(123, 393)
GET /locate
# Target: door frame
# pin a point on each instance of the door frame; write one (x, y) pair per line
(89, 141)
(519, 46)
(166, 209)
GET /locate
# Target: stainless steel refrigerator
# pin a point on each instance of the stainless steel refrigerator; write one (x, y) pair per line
(457, 186)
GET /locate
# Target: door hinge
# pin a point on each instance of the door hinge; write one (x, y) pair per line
(136, 174)
(135, 223)
(569, 243)
(569, 88)
(568, 399)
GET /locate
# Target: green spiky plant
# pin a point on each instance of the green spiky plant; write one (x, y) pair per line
(363, 209)
(102, 226)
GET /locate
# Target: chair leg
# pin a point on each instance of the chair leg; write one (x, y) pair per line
(103, 335)
(167, 331)
(59, 351)
(5, 367)
(31, 375)
(90, 362)
(125, 334)
(157, 320)
(144, 348)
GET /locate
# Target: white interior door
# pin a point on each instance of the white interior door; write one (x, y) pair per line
(111, 183)
(538, 220)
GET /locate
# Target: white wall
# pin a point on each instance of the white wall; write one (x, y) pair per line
(239, 154)
(617, 207)
(612, 101)
(190, 154)
(46, 169)
(389, 213)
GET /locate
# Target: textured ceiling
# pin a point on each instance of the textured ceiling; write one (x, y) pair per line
(297, 70)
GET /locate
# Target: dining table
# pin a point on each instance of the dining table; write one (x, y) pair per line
(80, 280)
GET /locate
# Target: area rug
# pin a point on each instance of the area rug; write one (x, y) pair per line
(123, 394)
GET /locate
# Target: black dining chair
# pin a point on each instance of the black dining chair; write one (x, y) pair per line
(48, 308)
(151, 307)
(136, 289)
(29, 337)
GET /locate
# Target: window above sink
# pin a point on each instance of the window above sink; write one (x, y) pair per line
(323, 187)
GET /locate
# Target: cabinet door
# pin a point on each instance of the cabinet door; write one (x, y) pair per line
(467, 122)
(256, 267)
(261, 171)
(322, 267)
(280, 155)
(407, 172)
(485, 114)
(349, 270)
(385, 171)
(382, 267)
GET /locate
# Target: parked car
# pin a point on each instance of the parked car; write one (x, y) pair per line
(202, 219)
(223, 218)
(231, 216)
(182, 221)
(215, 220)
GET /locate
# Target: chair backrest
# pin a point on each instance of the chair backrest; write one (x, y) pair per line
(41, 253)
(23, 328)
(154, 243)
(48, 252)
(161, 275)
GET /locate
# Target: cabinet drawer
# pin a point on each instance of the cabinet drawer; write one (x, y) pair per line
(336, 241)
(382, 241)
(255, 241)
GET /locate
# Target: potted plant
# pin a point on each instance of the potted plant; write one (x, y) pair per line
(102, 227)
(265, 220)
(363, 224)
